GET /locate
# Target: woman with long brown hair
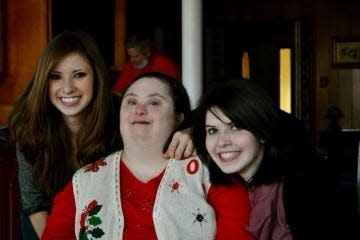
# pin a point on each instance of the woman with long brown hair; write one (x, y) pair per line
(66, 118)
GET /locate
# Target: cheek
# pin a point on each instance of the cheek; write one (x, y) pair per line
(123, 113)
(210, 144)
(122, 120)
(88, 86)
(253, 148)
(52, 92)
(165, 115)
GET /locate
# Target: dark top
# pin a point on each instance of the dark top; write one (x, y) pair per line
(33, 199)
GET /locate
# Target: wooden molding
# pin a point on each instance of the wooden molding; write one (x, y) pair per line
(120, 34)
(2, 39)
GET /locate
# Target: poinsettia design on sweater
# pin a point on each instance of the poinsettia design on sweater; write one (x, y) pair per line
(95, 166)
(90, 222)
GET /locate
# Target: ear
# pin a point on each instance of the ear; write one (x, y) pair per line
(148, 52)
(179, 119)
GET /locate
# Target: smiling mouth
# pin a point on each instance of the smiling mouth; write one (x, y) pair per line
(70, 101)
(140, 123)
(228, 156)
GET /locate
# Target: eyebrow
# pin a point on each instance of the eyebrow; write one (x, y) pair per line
(74, 71)
(150, 95)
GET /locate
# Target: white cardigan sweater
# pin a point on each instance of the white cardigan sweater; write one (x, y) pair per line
(180, 210)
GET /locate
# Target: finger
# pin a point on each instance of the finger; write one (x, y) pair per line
(166, 154)
(173, 146)
(184, 141)
(189, 150)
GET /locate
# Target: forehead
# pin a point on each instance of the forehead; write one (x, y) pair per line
(133, 52)
(215, 115)
(148, 86)
(72, 60)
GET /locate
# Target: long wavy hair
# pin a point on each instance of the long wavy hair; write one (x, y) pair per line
(39, 129)
(249, 107)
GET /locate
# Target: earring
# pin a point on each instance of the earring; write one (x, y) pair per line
(262, 141)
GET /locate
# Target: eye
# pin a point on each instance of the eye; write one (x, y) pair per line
(211, 130)
(234, 127)
(54, 76)
(80, 74)
(131, 102)
(154, 103)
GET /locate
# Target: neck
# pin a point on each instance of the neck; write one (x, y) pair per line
(73, 124)
(248, 173)
(143, 162)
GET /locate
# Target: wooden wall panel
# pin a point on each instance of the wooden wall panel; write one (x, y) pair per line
(2, 38)
(27, 33)
(120, 34)
(336, 19)
(356, 99)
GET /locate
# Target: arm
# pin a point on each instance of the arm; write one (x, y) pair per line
(38, 220)
(181, 145)
(33, 201)
(62, 214)
(232, 208)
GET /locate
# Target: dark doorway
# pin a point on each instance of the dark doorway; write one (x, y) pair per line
(96, 18)
(262, 40)
(225, 43)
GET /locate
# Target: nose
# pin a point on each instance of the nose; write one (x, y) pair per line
(140, 109)
(68, 86)
(224, 139)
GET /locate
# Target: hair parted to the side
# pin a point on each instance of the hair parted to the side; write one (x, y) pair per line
(38, 127)
(249, 107)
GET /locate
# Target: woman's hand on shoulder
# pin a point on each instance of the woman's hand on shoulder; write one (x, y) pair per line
(181, 145)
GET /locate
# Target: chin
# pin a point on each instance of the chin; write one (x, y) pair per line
(229, 170)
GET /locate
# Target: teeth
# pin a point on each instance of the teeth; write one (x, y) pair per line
(69, 99)
(229, 155)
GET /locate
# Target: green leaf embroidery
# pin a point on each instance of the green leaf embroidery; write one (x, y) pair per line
(90, 222)
(97, 232)
(95, 210)
(83, 235)
(94, 221)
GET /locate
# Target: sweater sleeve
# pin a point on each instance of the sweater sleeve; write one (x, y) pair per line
(60, 223)
(232, 208)
(33, 200)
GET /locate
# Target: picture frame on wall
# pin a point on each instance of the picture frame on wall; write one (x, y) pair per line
(346, 52)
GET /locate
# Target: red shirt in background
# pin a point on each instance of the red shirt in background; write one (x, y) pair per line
(157, 63)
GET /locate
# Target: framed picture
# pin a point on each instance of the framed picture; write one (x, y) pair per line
(346, 53)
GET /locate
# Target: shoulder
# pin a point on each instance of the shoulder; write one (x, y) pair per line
(234, 190)
(161, 58)
(99, 165)
(192, 165)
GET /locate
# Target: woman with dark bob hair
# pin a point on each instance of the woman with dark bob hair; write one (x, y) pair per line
(240, 132)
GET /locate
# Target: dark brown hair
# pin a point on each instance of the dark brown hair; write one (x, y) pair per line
(39, 129)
